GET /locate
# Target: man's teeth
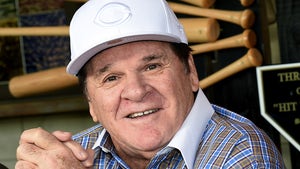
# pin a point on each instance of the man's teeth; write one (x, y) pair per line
(139, 114)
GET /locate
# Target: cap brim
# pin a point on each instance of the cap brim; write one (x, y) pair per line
(75, 65)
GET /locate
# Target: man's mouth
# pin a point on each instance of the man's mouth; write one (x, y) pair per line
(140, 114)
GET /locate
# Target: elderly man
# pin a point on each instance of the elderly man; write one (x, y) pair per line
(137, 72)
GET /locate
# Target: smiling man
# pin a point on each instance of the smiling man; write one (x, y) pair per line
(141, 93)
(137, 72)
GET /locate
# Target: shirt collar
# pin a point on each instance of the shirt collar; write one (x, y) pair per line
(188, 137)
(99, 139)
(186, 140)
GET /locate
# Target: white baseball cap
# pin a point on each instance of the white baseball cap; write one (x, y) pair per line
(101, 24)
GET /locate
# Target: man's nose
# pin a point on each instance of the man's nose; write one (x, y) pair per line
(135, 88)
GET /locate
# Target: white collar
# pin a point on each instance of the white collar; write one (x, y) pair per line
(186, 140)
(189, 135)
(99, 139)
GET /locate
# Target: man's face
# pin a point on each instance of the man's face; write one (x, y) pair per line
(141, 93)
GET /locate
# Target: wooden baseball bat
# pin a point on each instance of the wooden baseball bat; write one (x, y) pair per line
(197, 30)
(252, 58)
(41, 82)
(244, 18)
(246, 39)
(246, 3)
(35, 31)
(201, 3)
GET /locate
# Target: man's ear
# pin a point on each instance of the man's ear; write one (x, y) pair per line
(92, 111)
(193, 74)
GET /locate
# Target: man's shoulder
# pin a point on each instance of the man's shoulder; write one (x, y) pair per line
(237, 128)
(232, 120)
(239, 141)
(88, 137)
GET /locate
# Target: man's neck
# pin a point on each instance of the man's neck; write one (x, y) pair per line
(134, 162)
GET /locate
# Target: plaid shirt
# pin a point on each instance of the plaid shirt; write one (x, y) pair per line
(228, 141)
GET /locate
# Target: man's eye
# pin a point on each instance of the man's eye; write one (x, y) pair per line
(110, 78)
(151, 67)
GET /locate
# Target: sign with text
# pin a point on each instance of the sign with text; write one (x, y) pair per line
(279, 97)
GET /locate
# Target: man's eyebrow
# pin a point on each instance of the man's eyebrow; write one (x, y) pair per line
(144, 59)
(103, 69)
(152, 57)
